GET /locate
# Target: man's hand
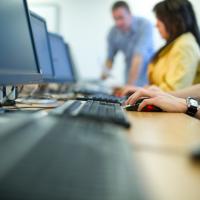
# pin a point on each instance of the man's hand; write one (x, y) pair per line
(107, 70)
(162, 100)
(104, 76)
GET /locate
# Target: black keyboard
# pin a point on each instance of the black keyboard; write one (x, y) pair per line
(75, 159)
(88, 92)
(104, 98)
(107, 112)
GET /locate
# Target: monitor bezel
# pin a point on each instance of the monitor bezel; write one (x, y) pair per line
(46, 78)
(19, 79)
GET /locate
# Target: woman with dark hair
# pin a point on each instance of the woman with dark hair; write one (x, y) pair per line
(177, 64)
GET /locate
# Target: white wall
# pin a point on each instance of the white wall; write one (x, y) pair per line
(196, 5)
(85, 24)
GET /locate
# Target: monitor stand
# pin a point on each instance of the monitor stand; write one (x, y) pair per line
(38, 102)
(37, 98)
(2, 95)
(8, 96)
(8, 100)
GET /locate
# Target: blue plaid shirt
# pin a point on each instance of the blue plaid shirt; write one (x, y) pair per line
(139, 40)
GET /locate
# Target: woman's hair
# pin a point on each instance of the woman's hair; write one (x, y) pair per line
(178, 17)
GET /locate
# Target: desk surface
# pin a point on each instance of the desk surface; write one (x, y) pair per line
(169, 177)
(164, 132)
(161, 143)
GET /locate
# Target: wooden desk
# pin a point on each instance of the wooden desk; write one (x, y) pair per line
(164, 132)
(161, 144)
(169, 177)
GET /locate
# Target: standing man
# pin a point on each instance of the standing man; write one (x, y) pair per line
(134, 37)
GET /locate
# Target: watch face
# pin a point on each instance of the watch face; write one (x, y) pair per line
(194, 103)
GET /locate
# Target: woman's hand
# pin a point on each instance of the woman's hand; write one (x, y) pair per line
(154, 88)
(129, 89)
(126, 90)
(162, 100)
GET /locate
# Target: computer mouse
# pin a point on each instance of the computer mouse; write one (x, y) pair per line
(148, 108)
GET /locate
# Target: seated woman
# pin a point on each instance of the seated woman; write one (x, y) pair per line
(177, 64)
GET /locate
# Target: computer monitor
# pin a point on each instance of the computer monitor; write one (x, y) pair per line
(18, 60)
(72, 66)
(42, 44)
(62, 68)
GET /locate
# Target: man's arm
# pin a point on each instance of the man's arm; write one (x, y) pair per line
(193, 91)
(109, 64)
(107, 69)
(112, 51)
(135, 68)
(141, 50)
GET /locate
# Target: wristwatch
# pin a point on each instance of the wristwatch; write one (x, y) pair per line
(192, 106)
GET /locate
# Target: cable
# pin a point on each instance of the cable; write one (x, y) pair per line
(21, 109)
(21, 89)
(16, 108)
(43, 107)
(5, 100)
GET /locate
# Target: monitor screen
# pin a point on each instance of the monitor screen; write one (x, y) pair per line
(18, 61)
(62, 68)
(41, 39)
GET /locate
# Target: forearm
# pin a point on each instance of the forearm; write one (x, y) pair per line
(134, 70)
(193, 91)
(109, 64)
(107, 70)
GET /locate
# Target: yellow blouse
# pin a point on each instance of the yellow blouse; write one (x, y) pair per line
(177, 66)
